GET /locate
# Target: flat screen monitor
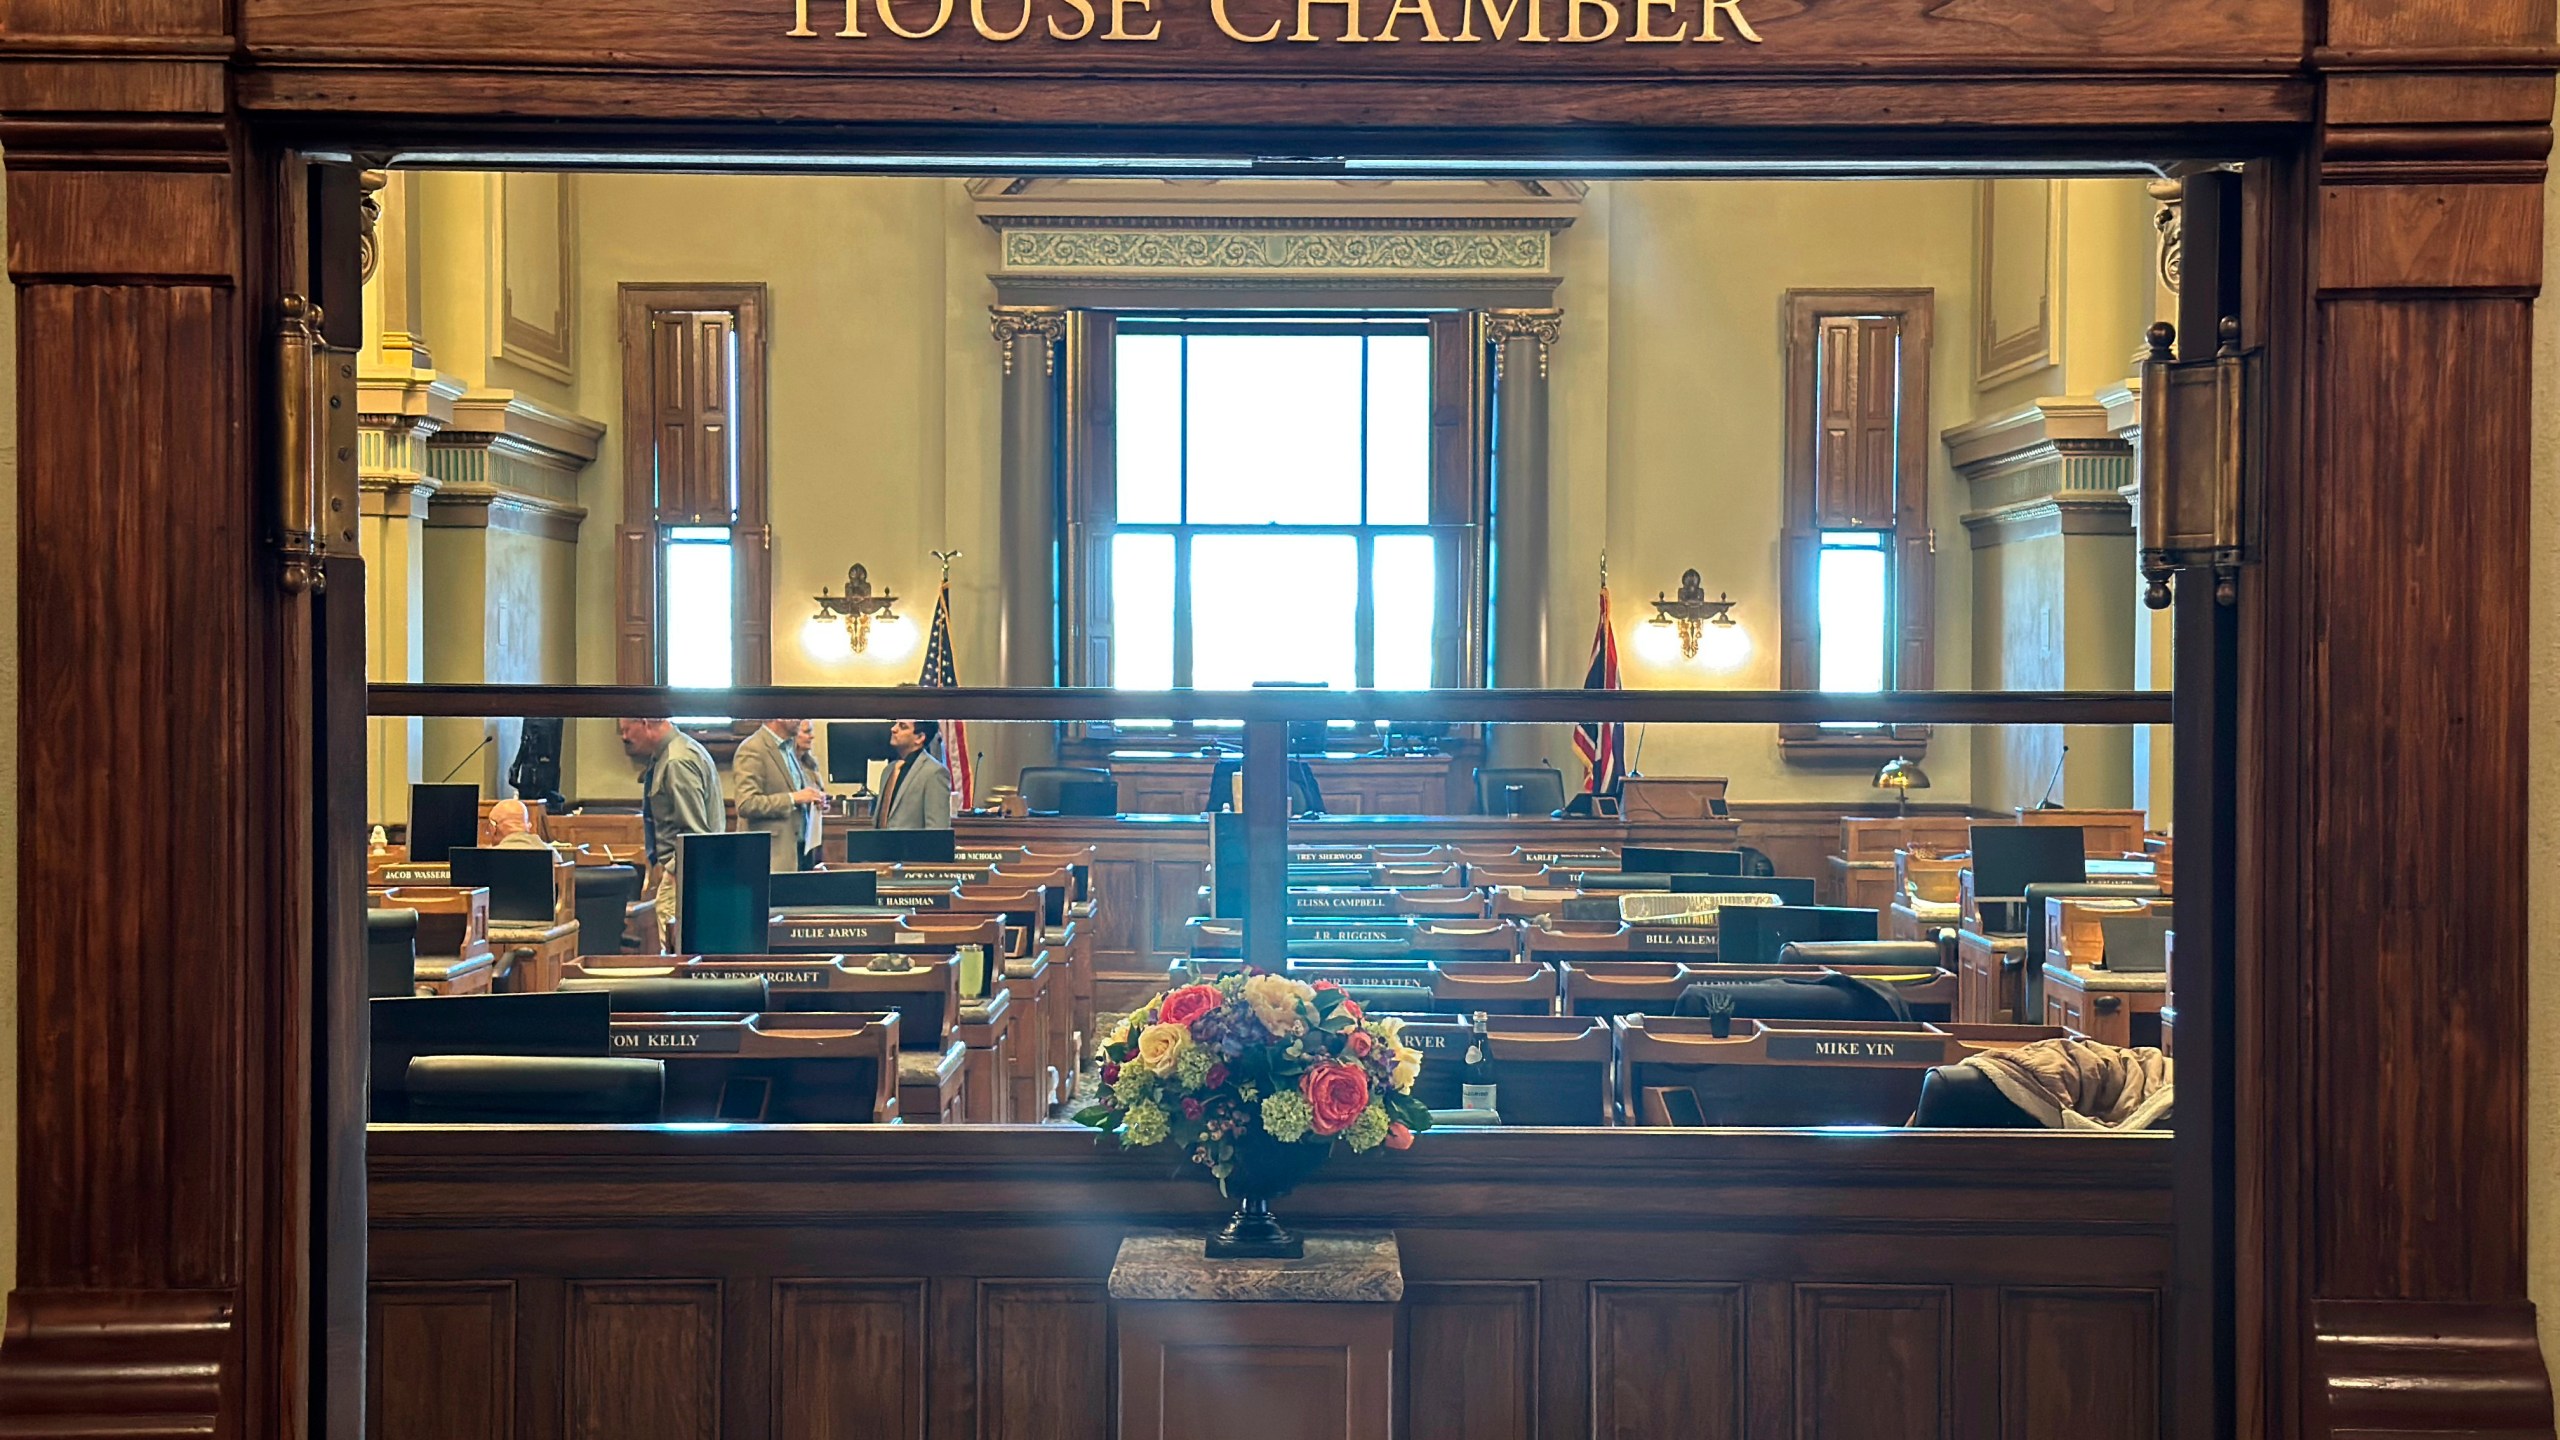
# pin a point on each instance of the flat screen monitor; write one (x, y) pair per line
(442, 817)
(1656, 860)
(882, 847)
(2009, 858)
(1088, 797)
(518, 880)
(797, 889)
(853, 746)
(727, 893)
(1790, 889)
(1754, 934)
(404, 1028)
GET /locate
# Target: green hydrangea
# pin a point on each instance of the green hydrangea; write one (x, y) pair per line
(1135, 1084)
(1193, 1068)
(1146, 1125)
(1370, 1130)
(1287, 1118)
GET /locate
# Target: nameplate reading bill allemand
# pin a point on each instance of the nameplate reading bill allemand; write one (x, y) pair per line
(1699, 939)
(678, 1040)
(1857, 1049)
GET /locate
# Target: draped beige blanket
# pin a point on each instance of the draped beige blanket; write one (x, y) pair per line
(2082, 1085)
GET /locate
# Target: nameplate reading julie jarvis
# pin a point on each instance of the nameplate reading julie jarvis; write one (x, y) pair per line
(1301, 22)
(1856, 1049)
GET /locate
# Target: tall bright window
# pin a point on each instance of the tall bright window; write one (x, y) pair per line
(1273, 519)
(701, 604)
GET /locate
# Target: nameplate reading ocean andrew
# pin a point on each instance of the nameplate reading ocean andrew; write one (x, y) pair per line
(1300, 22)
(1857, 1049)
(678, 1040)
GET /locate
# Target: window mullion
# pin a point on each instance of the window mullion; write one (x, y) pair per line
(1182, 607)
(1364, 615)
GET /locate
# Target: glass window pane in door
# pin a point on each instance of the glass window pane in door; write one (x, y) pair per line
(1274, 435)
(1147, 382)
(1142, 612)
(1273, 608)
(701, 603)
(1855, 612)
(1404, 582)
(1399, 429)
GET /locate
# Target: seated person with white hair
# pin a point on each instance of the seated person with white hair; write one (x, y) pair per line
(511, 827)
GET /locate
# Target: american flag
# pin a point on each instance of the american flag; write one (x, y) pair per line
(940, 671)
(1602, 747)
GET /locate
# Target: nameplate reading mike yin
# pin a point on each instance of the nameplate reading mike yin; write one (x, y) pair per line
(1299, 22)
(1835, 1049)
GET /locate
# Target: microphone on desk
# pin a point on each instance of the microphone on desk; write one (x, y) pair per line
(2047, 802)
(490, 740)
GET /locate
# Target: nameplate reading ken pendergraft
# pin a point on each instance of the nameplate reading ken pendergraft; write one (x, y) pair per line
(1856, 1049)
(724, 1039)
(1299, 22)
(810, 978)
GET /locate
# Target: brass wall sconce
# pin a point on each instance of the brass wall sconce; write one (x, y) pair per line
(1902, 776)
(1693, 612)
(857, 606)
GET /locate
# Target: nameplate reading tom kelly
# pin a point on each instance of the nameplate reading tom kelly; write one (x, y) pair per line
(679, 1040)
(1857, 1049)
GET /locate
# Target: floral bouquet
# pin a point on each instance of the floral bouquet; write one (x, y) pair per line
(1253, 1078)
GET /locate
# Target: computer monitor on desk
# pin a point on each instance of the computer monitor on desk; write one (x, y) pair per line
(2009, 858)
(852, 747)
(519, 881)
(1653, 858)
(442, 817)
(1754, 934)
(826, 890)
(884, 847)
(726, 884)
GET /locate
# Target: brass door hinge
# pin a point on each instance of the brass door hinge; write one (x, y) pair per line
(2201, 457)
(317, 509)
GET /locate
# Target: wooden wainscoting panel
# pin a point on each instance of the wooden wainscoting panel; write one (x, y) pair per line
(1174, 887)
(644, 1360)
(1119, 928)
(1874, 1362)
(848, 1359)
(1471, 1361)
(1044, 1360)
(441, 1359)
(1666, 1362)
(2082, 1363)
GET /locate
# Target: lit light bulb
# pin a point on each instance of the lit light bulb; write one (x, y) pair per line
(1724, 647)
(892, 639)
(825, 641)
(1658, 644)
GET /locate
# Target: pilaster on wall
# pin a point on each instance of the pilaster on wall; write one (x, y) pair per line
(2394, 1217)
(163, 1226)
(2052, 537)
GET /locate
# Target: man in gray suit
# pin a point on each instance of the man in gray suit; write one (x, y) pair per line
(916, 792)
(774, 795)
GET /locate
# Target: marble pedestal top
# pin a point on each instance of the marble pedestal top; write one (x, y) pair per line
(1340, 1266)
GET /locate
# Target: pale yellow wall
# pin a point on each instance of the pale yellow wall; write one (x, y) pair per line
(1668, 442)
(454, 210)
(884, 405)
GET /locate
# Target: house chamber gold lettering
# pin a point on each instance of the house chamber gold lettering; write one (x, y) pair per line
(1304, 22)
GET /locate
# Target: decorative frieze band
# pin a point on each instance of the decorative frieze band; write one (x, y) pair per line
(1539, 326)
(1290, 250)
(1046, 323)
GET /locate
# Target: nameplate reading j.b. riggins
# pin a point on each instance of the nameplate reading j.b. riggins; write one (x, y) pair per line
(1856, 1049)
(678, 1040)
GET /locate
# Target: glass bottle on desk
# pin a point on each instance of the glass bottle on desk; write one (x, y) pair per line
(1475, 1082)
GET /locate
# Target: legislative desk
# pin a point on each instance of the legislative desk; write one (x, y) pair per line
(947, 1282)
(1148, 869)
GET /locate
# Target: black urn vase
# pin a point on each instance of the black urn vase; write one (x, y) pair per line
(1265, 1170)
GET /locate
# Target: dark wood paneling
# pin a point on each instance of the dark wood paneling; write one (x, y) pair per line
(643, 1360)
(848, 1359)
(442, 1357)
(1874, 1362)
(1044, 1369)
(2072, 1362)
(2430, 236)
(1471, 1362)
(1667, 1362)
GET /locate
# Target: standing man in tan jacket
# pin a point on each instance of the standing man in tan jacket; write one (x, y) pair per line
(774, 794)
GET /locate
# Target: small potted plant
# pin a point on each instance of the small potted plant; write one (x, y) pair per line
(1253, 1078)
(1719, 1003)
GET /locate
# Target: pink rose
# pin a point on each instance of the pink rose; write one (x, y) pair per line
(1359, 1042)
(1337, 1094)
(1110, 1074)
(1188, 1004)
(1399, 1136)
(1217, 1075)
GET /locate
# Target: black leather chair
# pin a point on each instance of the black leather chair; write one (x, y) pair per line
(1919, 954)
(1539, 790)
(654, 995)
(1959, 1097)
(1069, 790)
(535, 1090)
(1827, 997)
(602, 893)
(390, 953)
